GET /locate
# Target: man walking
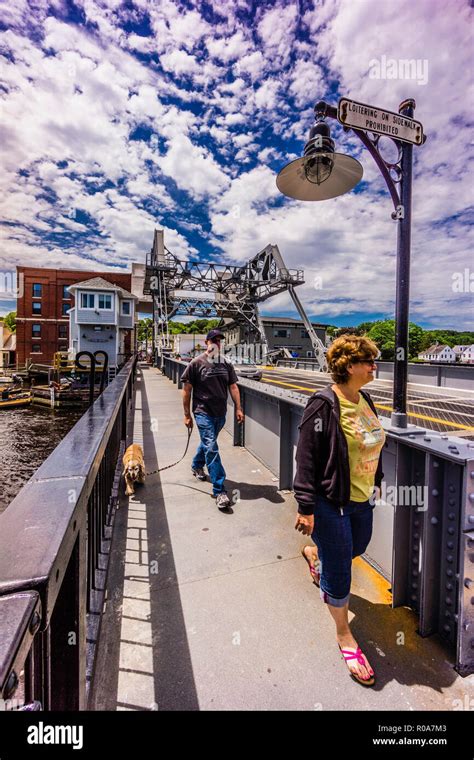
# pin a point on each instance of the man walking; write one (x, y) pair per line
(210, 376)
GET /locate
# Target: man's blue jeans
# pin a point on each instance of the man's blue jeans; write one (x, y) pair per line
(340, 533)
(208, 451)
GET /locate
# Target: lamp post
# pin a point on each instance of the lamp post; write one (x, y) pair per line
(322, 174)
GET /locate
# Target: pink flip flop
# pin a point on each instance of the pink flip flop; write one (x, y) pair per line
(313, 569)
(348, 654)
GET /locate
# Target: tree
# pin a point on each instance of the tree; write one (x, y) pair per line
(10, 321)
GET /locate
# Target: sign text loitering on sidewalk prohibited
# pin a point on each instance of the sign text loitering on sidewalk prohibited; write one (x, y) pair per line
(373, 119)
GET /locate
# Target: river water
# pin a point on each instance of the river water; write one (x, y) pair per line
(28, 435)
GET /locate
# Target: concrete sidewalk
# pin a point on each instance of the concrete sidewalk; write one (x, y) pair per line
(208, 610)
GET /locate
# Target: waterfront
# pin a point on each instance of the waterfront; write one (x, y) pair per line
(27, 438)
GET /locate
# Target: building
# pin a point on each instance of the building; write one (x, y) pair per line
(280, 332)
(467, 356)
(102, 319)
(438, 353)
(7, 346)
(458, 350)
(188, 344)
(42, 322)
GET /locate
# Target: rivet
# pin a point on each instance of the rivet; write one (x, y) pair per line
(434, 521)
(416, 523)
(449, 558)
(435, 492)
(471, 497)
(427, 439)
(450, 545)
(414, 585)
(450, 530)
(413, 596)
(451, 488)
(449, 587)
(446, 627)
(411, 435)
(451, 502)
(449, 573)
(449, 600)
(435, 464)
(451, 516)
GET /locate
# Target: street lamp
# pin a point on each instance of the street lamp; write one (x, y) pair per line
(322, 174)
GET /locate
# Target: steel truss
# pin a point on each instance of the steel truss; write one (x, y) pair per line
(211, 289)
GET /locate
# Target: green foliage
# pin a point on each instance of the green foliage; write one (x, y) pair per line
(382, 332)
(10, 321)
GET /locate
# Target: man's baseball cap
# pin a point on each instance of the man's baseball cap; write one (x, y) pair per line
(214, 334)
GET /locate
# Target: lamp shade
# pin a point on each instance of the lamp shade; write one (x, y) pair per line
(319, 176)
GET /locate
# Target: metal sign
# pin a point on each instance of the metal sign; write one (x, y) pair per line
(373, 119)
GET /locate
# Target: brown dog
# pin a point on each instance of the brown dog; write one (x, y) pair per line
(133, 467)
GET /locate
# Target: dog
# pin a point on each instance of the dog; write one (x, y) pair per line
(133, 467)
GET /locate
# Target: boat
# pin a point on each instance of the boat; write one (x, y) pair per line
(14, 400)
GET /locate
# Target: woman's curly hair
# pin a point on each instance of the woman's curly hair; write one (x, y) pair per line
(348, 349)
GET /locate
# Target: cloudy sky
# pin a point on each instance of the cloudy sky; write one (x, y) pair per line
(119, 117)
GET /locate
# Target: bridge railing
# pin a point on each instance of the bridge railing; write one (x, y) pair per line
(441, 375)
(53, 549)
(423, 538)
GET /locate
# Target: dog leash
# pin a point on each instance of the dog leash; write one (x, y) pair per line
(153, 472)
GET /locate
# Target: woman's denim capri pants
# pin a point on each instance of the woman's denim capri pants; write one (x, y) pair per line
(340, 533)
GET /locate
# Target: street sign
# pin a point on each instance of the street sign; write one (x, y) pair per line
(373, 119)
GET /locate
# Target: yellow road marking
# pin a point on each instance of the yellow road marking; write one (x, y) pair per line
(381, 406)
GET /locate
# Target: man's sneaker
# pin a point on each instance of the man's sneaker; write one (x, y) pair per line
(222, 500)
(199, 473)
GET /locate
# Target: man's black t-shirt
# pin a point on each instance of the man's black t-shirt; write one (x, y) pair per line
(210, 380)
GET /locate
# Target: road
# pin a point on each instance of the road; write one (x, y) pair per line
(445, 410)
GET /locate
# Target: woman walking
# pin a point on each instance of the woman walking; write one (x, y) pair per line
(338, 469)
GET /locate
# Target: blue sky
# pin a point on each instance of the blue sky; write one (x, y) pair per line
(121, 117)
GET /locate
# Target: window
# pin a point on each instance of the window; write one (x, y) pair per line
(304, 334)
(36, 331)
(36, 348)
(281, 333)
(309, 353)
(62, 331)
(37, 290)
(87, 300)
(36, 307)
(65, 309)
(126, 308)
(66, 294)
(105, 301)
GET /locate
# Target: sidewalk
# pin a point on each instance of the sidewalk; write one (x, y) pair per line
(214, 611)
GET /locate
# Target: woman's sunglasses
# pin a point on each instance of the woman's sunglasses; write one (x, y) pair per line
(372, 362)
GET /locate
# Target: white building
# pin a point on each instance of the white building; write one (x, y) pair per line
(189, 343)
(7, 346)
(458, 351)
(102, 319)
(438, 353)
(467, 356)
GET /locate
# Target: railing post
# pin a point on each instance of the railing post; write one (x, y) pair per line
(68, 635)
(285, 470)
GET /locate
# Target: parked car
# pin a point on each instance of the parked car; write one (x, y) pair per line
(245, 368)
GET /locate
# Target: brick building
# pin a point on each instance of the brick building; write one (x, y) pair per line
(42, 323)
